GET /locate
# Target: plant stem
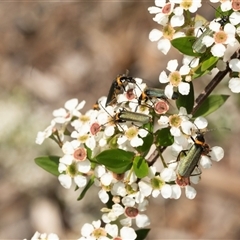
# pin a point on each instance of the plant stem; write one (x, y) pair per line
(211, 86)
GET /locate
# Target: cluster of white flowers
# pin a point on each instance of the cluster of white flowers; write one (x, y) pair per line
(173, 14)
(133, 115)
(220, 36)
(122, 125)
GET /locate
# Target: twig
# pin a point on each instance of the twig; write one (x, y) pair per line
(211, 86)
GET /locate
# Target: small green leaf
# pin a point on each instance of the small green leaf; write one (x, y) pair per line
(220, 14)
(89, 152)
(184, 45)
(116, 160)
(112, 142)
(209, 64)
(48, 163)
(147, 143)
(84, 191)
(198, 73)
(186, 101)
(211, 104)
(140, 167)
(142, 233)
(163, 137)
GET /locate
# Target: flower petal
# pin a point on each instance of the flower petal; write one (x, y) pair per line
(142, 220)
(65, 180)
(155, 35)
(164, 46)
(234, 85)
(190, 192)
(184, 88)
(166, 191)
(128, 233)
(217, 153)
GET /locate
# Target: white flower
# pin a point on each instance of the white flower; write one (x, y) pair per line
(192, 6)
(162, 11)
(131, 134)
(164, 38)
(156, 184)
(84, 121)
(71, 173)
(112, 215)
(84, 137)
(72, 108)
(73, 164)
(132, 212)
(119, 189)
(105, 180)
(41, 136)
(220, 38)
(125, 232)
(178, 122)
(175, 78)
(73, 151)
(94, 231)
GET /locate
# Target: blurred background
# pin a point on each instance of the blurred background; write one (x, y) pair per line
(51, 52)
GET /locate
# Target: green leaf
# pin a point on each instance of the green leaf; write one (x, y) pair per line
(116, 160)
(89, 152)
(112, 142)
(186, 101)
(209, 64)
(198, 73)
(220, 14)
(49, 163)
(147, 143)
(211, 104)
(163, 137)
(142, 233)
(184, 45)
(84, 191)
(140, 167)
